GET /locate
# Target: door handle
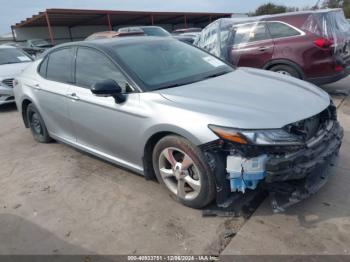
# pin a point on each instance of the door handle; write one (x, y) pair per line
(73, 96)
(263, 48)
(37, 87)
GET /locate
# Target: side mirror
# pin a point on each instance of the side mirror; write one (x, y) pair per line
(107, 88)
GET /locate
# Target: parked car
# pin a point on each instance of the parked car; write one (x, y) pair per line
(187, 37)
(187, 30)
(159, 31)
(313, 45)
(36, 46)
(164, 108)
(12, 63)
(146, 30)
(111, 34)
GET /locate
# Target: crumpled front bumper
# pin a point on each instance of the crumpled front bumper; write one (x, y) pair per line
(295, 177)
(290, 177)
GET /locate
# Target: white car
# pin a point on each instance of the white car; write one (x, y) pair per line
(12, 62)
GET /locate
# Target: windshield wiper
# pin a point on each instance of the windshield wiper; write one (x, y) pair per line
(216, 74)
(169, 86)
(8, 63)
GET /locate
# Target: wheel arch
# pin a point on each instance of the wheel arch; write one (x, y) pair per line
(24, 105)
(152, 139)
(285, 62)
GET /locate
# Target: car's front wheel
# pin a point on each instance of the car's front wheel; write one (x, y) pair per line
(182, 168)
(37, 125)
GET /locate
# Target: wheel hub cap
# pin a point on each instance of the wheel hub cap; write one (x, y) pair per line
(179, 173)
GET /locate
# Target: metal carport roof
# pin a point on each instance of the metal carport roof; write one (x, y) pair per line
(81, 17)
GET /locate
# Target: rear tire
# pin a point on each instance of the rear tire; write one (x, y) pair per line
(37, 125)
(182, 168)
(285, 70)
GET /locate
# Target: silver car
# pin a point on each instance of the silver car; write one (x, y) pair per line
(168, 110)
(12, 63)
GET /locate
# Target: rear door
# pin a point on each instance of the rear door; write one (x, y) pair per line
(51, 91)
(252, 45)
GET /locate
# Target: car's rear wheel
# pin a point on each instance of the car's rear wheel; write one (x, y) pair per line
(285, 70)
(182, 169)
(37, 125)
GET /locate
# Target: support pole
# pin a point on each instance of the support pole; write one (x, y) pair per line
(110, 28)
(152, 19)
(50, 29)
(185, 21)
(70, 33)
(13, 34)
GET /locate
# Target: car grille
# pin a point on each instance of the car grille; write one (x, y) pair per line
(8, 82)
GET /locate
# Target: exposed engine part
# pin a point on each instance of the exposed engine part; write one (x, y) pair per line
(245, 173)
(289, 173)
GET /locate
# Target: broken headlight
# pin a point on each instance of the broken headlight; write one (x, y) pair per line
(267, 137)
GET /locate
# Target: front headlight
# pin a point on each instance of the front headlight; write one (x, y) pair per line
(256, 137)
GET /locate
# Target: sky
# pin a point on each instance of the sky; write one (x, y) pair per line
(13, 11)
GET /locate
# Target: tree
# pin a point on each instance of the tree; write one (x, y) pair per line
(345, 4)
(332, 3)
(269, 9)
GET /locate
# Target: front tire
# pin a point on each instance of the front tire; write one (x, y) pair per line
(182, 168)
(37, 125)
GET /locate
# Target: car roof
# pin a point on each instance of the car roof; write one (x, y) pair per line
(269, 17)
(5, 46)
(105, 44)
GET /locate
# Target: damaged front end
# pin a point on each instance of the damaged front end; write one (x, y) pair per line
(290, 163)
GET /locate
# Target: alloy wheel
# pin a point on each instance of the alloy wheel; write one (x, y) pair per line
(179, 173)
(36, 124)
(284, 73)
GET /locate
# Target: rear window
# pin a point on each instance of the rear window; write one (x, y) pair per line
(59, 67)
(252, 32)
(280, 30)
(331, 25)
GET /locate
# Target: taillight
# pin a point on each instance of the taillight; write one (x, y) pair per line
(324, 43)
(338, 68)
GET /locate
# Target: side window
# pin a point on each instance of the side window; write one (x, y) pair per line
(43, 67)
(250, 33)
(279, 30)
(259, 33)
(59, 67)
(93, 66)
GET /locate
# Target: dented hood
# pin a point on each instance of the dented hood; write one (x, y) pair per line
(250, 98)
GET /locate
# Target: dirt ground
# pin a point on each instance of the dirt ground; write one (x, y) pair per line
(57, 200)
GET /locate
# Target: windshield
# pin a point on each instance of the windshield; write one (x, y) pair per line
(12, 56)
(40, 42)
(164, 64)
(154, 31)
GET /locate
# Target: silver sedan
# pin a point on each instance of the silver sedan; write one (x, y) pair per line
(170, 111)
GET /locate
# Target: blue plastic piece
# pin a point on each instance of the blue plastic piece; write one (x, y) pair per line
(250, 181)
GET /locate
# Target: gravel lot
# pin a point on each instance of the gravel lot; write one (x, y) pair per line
(57, 200)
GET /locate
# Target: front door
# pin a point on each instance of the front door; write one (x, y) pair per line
(102, 125)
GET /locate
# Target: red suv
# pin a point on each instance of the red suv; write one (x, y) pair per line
(313, 46)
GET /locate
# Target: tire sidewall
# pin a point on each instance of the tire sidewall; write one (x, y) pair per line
(207, 192)
(289, 69)
(43, 138)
